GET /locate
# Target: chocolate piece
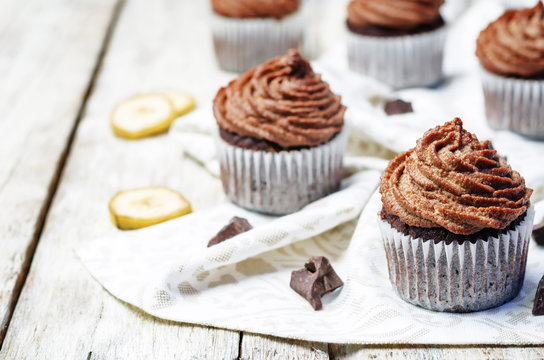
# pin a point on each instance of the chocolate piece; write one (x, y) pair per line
(395, 107)
(538, 307)
(236, 225)
(316, 279)
(538, 233)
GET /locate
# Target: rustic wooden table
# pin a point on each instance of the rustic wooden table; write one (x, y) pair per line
(63, 66)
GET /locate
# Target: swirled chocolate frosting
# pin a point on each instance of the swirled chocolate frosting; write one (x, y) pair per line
(397, 14)
(255, 8)
(282, 101)
(452, 180)
(514, 43)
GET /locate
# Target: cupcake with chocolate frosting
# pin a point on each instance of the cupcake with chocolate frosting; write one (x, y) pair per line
(511, 52)
(281, 138)
(398, 42)
(249, 32)
(456, 223)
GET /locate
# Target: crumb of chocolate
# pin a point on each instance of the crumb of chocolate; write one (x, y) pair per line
(395, 107)
(236, 225)
(538, 233)
(538, 307)
(316, 279)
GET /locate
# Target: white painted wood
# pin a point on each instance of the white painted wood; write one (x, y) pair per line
(355, 352)
(259, 347)
(48, 50)
(62, 312)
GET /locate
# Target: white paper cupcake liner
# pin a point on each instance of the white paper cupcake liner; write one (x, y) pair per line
(458, 278)
(283, 182)
(399, 61)
(241, 44)
(514, 104)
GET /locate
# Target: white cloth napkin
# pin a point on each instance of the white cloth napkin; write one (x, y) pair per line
(254, 295)
(243, 283)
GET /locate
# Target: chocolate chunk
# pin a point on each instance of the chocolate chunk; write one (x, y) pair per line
(315, 280)
(395, 107)
(236, 225)
(538, 233)
(538, 307)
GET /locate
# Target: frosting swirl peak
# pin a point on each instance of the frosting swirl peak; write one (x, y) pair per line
(255, 8)
(452, 180)
(514, 43)
(282, 101)
(397, 14)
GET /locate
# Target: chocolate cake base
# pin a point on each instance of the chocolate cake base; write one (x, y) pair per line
(441, 234)
(382, 31)
(251, 143)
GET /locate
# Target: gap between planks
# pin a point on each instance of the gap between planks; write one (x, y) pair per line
(58, 175)
(52, 188)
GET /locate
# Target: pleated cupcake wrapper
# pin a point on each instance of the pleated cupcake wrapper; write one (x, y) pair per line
(284, 182)
(514, 104)
(241, 44)
(400, 61)
(458, 278)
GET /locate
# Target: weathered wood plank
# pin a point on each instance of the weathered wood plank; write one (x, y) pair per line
(62, 312)
(48, 51)
(353, 352)
(259, 347)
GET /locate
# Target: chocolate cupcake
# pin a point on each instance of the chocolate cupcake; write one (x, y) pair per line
(456, 223)
(398, 42)
(281, 138)
(511, 52)
(248, 32)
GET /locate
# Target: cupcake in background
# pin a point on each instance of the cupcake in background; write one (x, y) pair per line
(456, 223)
(398, 42)
(281, 136)
(511, 52)
(249, 32)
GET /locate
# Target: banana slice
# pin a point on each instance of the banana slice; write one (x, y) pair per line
(183, 103)
(138, 208)
(143, 115)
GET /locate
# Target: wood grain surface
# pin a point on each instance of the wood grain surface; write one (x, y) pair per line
(258, 347)
(353, 352)
(61, 312)
(48, 51)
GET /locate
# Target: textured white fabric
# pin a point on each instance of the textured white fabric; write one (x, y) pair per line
(243, 284)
